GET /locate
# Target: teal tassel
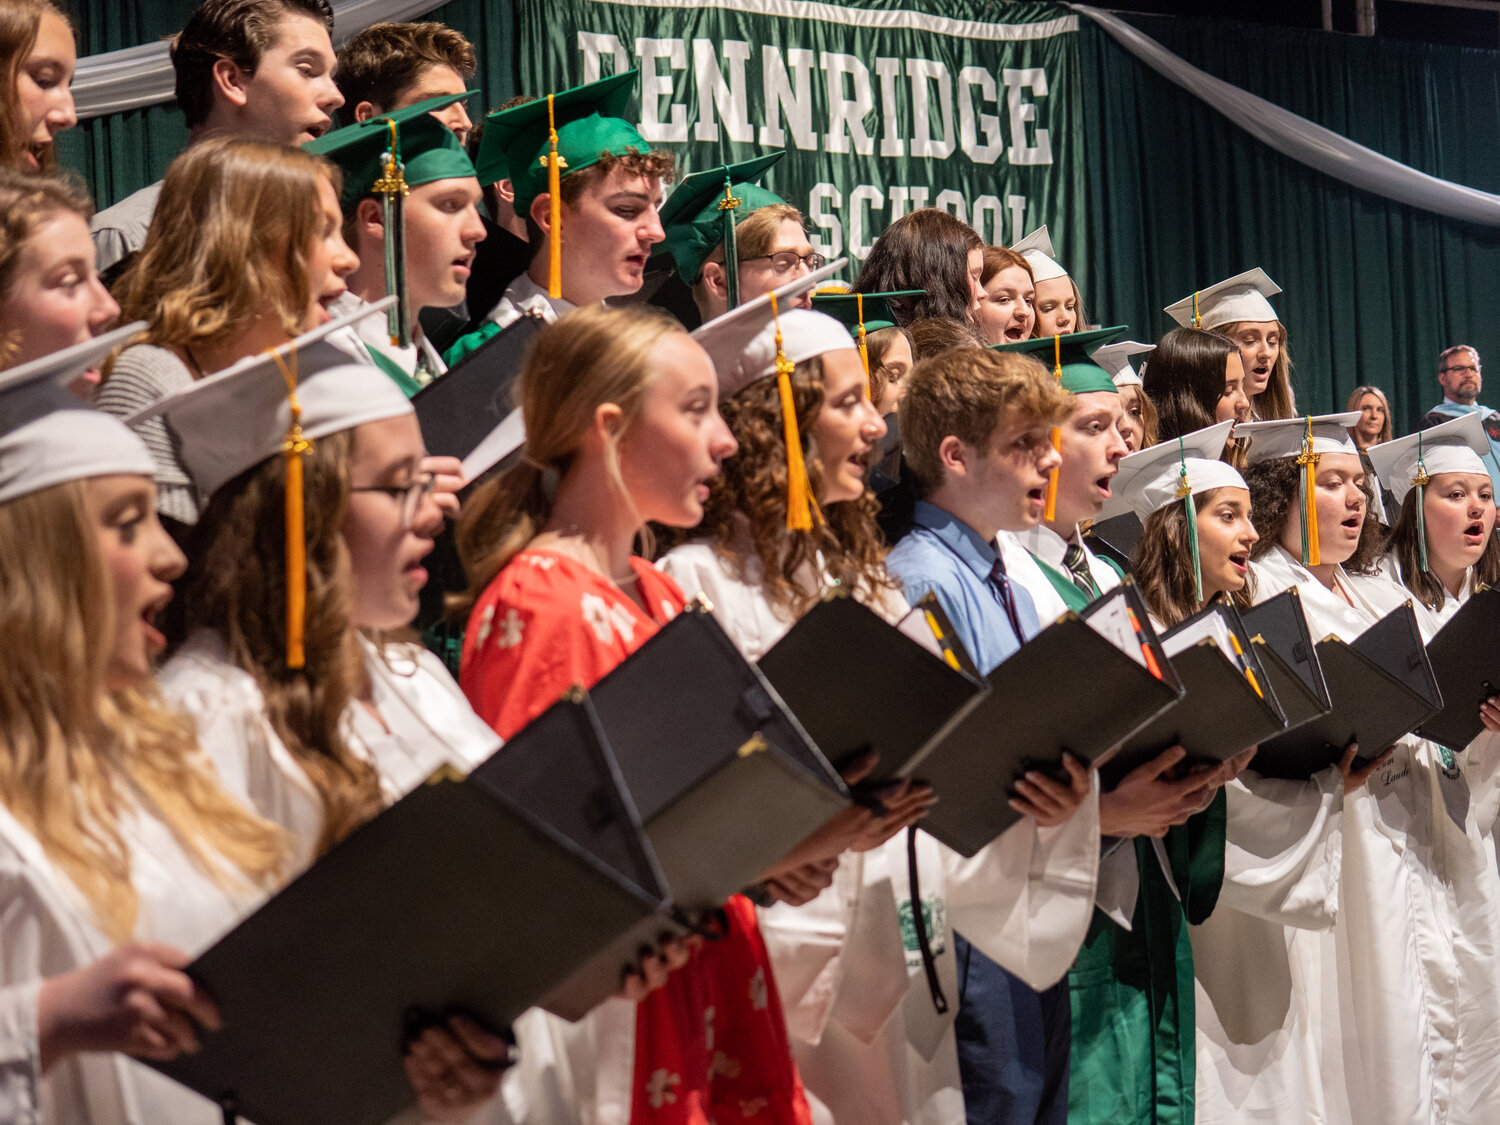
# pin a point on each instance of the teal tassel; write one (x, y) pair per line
(1185, 493)
(1302, 499)
(728, 209)
(1419, 482)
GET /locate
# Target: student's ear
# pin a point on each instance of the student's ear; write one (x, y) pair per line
(716, 280)
(365, 110)
(954, 456)
(609, 421)
(541, 211)
(229, 82)
(369, 220)
(506, 190)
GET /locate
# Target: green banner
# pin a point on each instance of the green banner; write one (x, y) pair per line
(882, 109)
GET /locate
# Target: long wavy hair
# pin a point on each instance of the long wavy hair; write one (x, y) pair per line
(26, 203)
(928, 250)
(1273, 498)
(20, 22)
(589, 357)
(236, 586)
(228, 244)
(1163, 567)
(1278, 399)
(1403, 542)
(752, 489)
(77, 755)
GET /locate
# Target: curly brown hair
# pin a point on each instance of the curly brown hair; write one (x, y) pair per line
(1273, 495)
(236, 586)
(753, 487)
(1162, 564)
(1402, 542)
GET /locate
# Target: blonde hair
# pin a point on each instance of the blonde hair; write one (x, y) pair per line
(969, 393)
(589, 357)
(228, 243)
(1353, 404)
(754, 235)
(20, 23)
(1278, 400)
(26, 203)
(75, 755)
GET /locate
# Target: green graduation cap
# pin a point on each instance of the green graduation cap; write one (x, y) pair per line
(538, 142)
(383, 157)
(861, 313)
(705, 209)
(1070, 359)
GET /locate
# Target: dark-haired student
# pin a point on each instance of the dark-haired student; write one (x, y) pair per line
(1240, 308)
(1416, 892)
(1195, 378)
(976, 428)
(260, 69)
(389, 66)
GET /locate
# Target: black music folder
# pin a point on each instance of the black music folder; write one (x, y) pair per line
(1278, 630)
(1380, 686)
(726, 779)
(858, 683)
(459, 410)
(460, 896)
(1081, 685)
(1226, 706)
(1116, 537)
(1465, 658)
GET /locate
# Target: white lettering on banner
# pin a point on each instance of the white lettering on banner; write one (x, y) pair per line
(1023, 112)
(862, 196)
(971, 125)
(780, 98)
(656, 85)
(721, 97)
(987, 217)
(595, 44)
(954, 203)
(846, 116)
(724, 97)
(921, 72)
(891, 142)
(817, 210)
(1017, 206)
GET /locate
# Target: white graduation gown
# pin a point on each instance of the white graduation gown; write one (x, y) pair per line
(47, 928)
(1401, 996)
(868, 1041)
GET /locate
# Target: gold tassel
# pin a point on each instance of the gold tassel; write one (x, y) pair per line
(1311, 554)
(1049, 510)
(554, 165)
(799, 501)
(1197, 320)
(295, 447)
(864, 351)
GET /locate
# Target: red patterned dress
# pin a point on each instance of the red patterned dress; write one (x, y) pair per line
(711, 1046)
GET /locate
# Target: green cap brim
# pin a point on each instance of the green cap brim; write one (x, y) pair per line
(844, 307)
(430, 151)
(590, 124)
(693, 220)
(1080, 374)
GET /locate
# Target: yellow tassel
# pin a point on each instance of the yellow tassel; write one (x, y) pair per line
(1309, 462)
(799, 501)
(1049, 509)
(1197, 320)
(295, 447)
(554, 165)
(864, 351)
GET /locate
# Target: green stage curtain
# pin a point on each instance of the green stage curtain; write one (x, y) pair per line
(1177, 198)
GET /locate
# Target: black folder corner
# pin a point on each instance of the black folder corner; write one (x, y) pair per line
(1221, 712)
(1034, 712)
(1278, 629)
(726, 779)
(457, 897)
(459, 409)
(1465, 658)
(857, 683)
(1381, 687)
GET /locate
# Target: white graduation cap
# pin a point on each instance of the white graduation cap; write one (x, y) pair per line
(236, 418)
(1115, 358)
(49, 436)
(1452, 447)
(742, 342)
(1284, 437)
(1036, 248)
(1241, 297)
(1152, 478)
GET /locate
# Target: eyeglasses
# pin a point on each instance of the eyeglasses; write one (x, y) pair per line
(409, 496)
(1470, 367)
(784, 262)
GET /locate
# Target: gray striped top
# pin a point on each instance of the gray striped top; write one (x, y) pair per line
(143, 374)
